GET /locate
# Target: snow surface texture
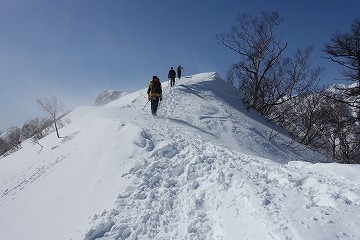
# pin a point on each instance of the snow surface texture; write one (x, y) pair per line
(205, 168)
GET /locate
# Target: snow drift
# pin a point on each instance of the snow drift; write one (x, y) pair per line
(206, 168)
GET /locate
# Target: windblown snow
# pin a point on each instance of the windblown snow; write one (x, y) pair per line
(205, 168)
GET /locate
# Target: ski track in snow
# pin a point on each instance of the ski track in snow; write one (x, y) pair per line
(171, 194)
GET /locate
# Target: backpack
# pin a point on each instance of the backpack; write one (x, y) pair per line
(172, 73)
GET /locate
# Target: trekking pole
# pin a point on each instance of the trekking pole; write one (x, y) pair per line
(146, 104)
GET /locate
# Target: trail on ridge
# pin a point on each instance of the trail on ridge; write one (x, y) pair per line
(193, 187)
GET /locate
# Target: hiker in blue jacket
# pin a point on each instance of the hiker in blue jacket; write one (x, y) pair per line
(171, 76)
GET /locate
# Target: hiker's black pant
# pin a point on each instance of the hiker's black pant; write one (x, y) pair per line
(154, 105)
(172, 81)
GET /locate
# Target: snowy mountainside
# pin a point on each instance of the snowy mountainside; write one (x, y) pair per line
(108, 96)
(341, 91)
(205, 168)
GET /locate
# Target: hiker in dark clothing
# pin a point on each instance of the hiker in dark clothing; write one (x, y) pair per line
(179, 69)
(172, 75)
(154, 94)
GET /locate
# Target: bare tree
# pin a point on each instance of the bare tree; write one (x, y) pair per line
(344, 49)
(36, 128)
(14, 137)
(4, 146)
(231, 76)
(254, 40)
(267, 79)
(54, 108)
(30, 128)
(341, 133)
(312, 120)
(289, 81)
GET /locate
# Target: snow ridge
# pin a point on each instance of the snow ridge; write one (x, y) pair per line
(205, 168)
(191, 188)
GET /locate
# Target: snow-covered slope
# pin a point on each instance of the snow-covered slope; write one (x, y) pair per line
(206, 168)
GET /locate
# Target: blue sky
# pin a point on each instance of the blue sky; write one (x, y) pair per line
(75, 49)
